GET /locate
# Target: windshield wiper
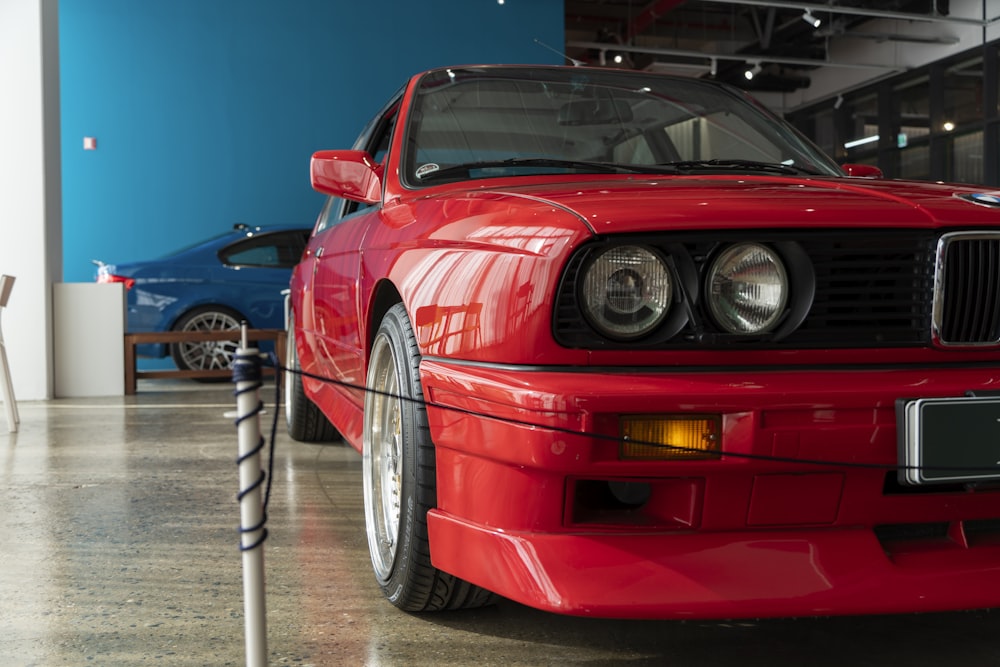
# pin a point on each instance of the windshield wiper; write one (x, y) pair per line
(612, 168)
(740, 165)
(579, 165)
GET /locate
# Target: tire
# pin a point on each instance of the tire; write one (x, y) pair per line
(305, 421)
(207, 355)
(398, 468)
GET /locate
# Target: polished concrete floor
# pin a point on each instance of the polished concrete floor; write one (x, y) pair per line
(118, 546)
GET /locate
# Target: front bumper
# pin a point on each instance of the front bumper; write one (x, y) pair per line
(801, 516)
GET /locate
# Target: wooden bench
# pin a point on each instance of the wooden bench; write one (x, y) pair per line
(132, 375)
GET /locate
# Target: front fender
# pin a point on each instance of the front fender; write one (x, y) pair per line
(479, 283)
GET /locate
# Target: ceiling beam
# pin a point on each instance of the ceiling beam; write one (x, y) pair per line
(738, 57)
(648, 16)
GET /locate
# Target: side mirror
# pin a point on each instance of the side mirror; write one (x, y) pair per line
(352, 175)
(861, 171)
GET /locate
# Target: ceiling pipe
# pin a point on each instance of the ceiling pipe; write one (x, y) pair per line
(890, 37)
(859, 11)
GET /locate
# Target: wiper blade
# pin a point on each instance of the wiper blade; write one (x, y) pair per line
(741, 165)
(426, 174)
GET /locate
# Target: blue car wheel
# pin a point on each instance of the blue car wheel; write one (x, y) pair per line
(207, 355)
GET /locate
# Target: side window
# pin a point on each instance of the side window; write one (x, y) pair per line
(329, 215)
(378, 145)
(375, 139)
(280, 250)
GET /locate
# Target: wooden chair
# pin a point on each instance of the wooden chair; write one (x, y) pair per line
(7, 386)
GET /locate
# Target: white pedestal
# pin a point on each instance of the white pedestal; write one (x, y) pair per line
(88, 322)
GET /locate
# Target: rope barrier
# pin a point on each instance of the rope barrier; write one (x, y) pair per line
(248, 377)
(618, 439)
(253, 508)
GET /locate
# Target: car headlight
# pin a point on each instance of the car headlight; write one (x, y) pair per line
(627, 291)
(747, 288)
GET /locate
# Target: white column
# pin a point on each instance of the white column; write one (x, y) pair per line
(30, 187)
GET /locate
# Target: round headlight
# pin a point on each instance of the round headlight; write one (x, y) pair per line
(747, 288)
(627, 291)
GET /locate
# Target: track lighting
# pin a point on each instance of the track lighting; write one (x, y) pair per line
(752, 71)
(607, 57)
(808, 17)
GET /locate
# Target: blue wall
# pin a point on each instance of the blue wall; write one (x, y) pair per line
(206, 111)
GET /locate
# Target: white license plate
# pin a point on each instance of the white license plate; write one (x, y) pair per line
(949, 439)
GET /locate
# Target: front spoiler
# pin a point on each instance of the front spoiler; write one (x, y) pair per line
(743, 574)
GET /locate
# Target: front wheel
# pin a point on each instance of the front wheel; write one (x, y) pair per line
(398, 467)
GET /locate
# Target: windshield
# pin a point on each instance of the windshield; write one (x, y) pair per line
(504, 121)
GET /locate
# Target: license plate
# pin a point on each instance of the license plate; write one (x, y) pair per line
(949, 439)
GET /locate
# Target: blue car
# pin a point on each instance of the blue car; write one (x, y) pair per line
(216, 284)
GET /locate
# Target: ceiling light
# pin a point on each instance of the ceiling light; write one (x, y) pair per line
(861, 142)
(752, 71)
(808, 17)
(948, 126)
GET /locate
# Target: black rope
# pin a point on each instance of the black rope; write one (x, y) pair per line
(618, 439)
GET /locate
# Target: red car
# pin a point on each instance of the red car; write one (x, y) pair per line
(625, 345)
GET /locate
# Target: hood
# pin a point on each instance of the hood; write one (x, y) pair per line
(646, 204)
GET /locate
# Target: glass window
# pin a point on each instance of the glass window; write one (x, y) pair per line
(965, 158)
(497, 122)
(914, 163)
(911, 111)
(862, 136)
(825, 132)
(633, 151)
(963, 95)
(941, 119)
(329, 214)
(722, 135)
(274, 250)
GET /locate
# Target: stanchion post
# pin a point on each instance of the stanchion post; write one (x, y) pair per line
(247, 376)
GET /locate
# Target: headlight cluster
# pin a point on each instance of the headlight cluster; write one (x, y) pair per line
(747, 288)
(627, 290)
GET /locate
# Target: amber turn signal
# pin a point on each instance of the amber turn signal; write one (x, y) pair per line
(671, 437)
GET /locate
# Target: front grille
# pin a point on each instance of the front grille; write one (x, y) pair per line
(967, 311)
(871, 290)
(861, 288)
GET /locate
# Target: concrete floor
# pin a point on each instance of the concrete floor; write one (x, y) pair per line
(118, 546)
